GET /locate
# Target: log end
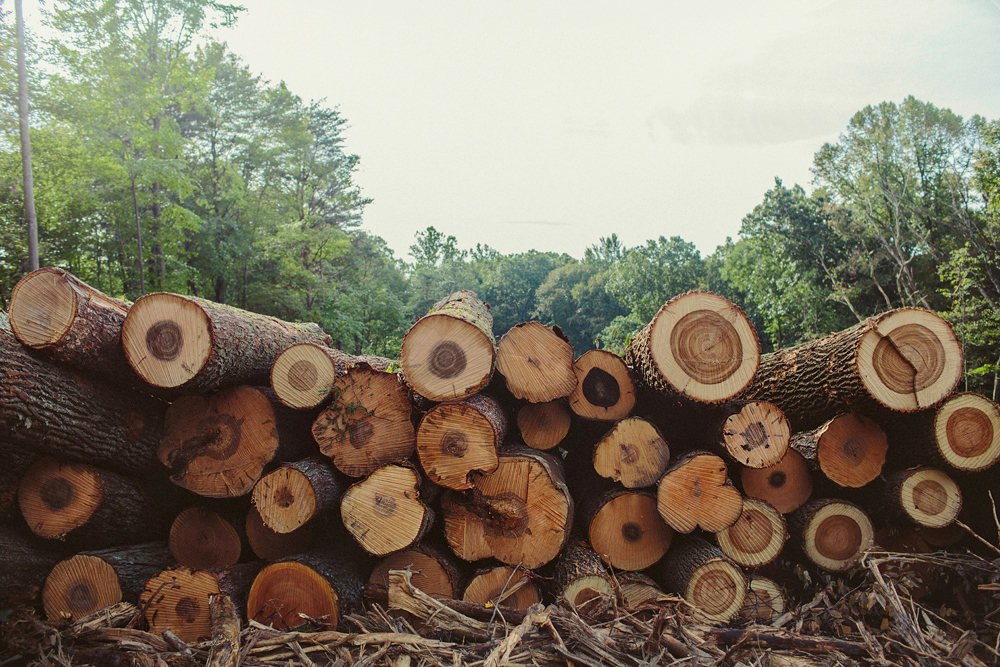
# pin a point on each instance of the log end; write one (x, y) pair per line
(43, 306)
(167, 339)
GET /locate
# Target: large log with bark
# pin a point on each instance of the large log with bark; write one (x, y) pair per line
(200, 346)
(904, 360)
(458, 440)
(449, 354)
(918, 496)
(303, 376)
(699, 345)
(536, 362)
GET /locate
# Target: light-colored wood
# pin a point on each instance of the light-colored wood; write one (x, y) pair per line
(786, 485)
(696, 493)
(58, 496)
(225, 620)
(78, 586)
(458, 440)
(632, 453)
(628, 533)
(757, 537)
(177, 600)
(637, 588)
(834, 533)
(765, 601)
(967, 430)
(384, 512)
(295, 493)
(43, 307)
(604, 390)
(503, 586)
(202, 539)
(170, 343)
(536, 362)
(928, 497)
(714, 585)
(583, 581)
(849, 449)
(303, 375)
(756, 436)
(544, 425)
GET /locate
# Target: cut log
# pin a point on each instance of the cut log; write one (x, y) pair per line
(225, 632)
(625, 529)
(25, 562)
(304, 374)
(321, 586)
(89, 581)
(448, 355)
(755, 434)
(458, 440)
(271, 546)
(757, 537)
(765, 601)
(696, 492)
(904, 360)
(368, 423)
(178, 599)
(295, 493)
(217, 445)
(605, 390)
(849, 449)
(699, 345)
(521, 513)
(201, 346)
(632, 453)
(89, 507)
(636, 589)
(434, 572)
(921, 496)
(543, 425)
(203, 539)
(503, 586)
(384, 512)
(697, 570)
(833, 533)
(583, 581)
(536, 362)
(786, 485)
(48, 410)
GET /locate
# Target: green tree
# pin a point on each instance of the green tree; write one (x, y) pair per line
(509, 284)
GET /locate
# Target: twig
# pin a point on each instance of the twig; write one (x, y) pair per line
(976, 535)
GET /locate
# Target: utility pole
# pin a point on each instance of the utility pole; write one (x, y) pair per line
(22, 111)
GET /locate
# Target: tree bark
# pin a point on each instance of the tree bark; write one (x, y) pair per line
(582, 579)
(918, 496)
(536, 362)
(605, 390)
(384, 512)
(303, 375)
(696, 492)
(456, 441)
(696, 569)
(25, 562)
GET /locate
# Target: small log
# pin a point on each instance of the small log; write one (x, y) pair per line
(433, 572)
(503, 586)
(605, 390)
(217, 445)
(25, 562)
(89, 581)
(203, 539)
(384, 513)
(833, 533)
(849, 449)
(295, 493)
(904, 360)
(786, 485)
(697, 570)
(636, 589)
(271, 546)
(757, 537)
(582, 580)
(543, 425)
(768, 641)
(201, 346)
(755, 434)
(89, 507)
(922, 496)
(521, 513)
(764, 603)
(625, 529)
(632, 453)
(321, 586)
(696, 492)
(536, 362)
(448, 355)
(304, 374)
(699, 345)
(368, 422)
(225, 632)
(458, 440)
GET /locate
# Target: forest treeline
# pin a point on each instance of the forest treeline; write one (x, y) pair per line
(162, 163)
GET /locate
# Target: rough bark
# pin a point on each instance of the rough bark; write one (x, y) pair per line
(25, 562)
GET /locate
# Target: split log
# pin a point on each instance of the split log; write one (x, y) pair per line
(25, 562)
(321, 586)
(543, 425)
(632, 453)
(757, 537)
(582, 580)
(458, 440)
(636, 589)
(304, 374)
(764, 603)
(922, 496)
(521, 513)
(49, 410)
(833, 533)
(89, 507)
(89, 581)
(225, 632)
(201, 346)
(368, 423)
(295, 493)
(433, 572)
(849, 449)
(271, 546)
(384, 512)
(203, 539)
(449, 354)
(696, 492)
(904, 360)
(625, 529)
(699, 345)
(217, 445)
(536, 362)
(505, 586)
(786, 485)
(697, 570)
(605, 390)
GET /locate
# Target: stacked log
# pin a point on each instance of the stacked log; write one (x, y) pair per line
(685, 465)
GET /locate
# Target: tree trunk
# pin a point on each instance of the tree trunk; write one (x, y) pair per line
(786, 485)
(632, 453)
(543, 425)
(384, 512)
(904, 360)
(203, 539)
(292, 495)
(703, 576)
(757, 537)
(25, 561)
(604, 390)
(448, 355)
(695, 492)
(699, 345)
(536, 362)
(849, 449)
(434, 572)
(456, 441)
(582, 580)
(503, 586)
(624, 528)
(49, 410)
(200, 346)
(833, 533)
(303, 376)
(30, 217)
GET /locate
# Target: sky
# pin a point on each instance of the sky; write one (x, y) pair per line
(548, 124)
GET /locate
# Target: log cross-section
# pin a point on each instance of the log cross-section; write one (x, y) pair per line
(459, 439)
(786, 485)
(536, 362)
(605, 390)
(384, 512)
(849, 449)
(632, 453)
(696, 492)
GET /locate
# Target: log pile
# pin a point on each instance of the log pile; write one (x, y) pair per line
(224, 470)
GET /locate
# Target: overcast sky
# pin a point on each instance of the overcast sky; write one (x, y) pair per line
(548, 124)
